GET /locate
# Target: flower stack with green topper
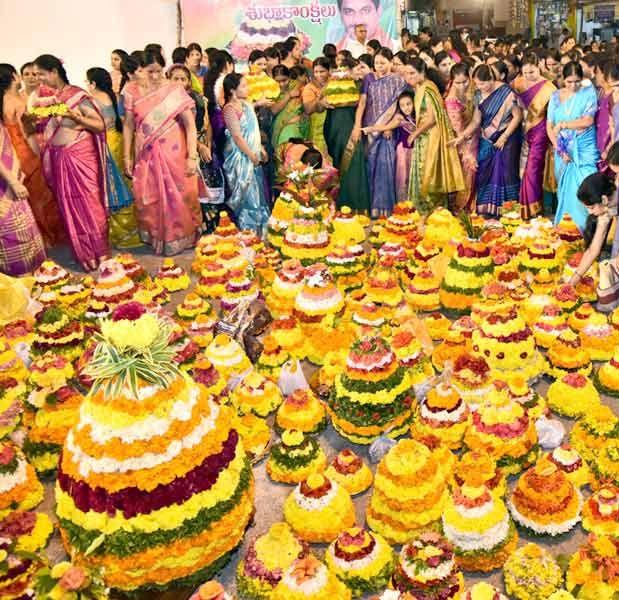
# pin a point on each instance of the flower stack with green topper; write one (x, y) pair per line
(468, 271)
(410, 491)
(265, 561)
(154, 487)
(56, 332)
(373, 395)
(21, 490)
(295, 458)
(362, 560)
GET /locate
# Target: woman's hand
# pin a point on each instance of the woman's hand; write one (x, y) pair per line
(411, 138)
(355, 136)
(129, 167)
(324, 103)
(387, 134)
(19, 189)
(264, 102)
(500, 143)
(368, 129)
(205, 153)
(255, 158)
(296, 93)
(575, 279)
(455, 142)
(191, 166)
(74, 115)
(264, 157)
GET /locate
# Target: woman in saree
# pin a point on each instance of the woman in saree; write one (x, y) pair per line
(165, 184)
(290, 119)
(196, 68)
(74, 164)
(534, 92)
(42, 202)
(571, 129)
(122, 223)
(314, 105)
(603, 73)
(21, 245)
(435, 165)
(348, 156)
(243, 157)
(377, 106)
(498, 158)
(459, 106)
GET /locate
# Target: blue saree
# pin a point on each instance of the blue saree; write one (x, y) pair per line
(580, 146)
(246, 182)
(382, 97)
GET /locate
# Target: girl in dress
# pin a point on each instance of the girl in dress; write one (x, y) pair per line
(460, 109)
(499, 116)
(377, 106)
(243, 157)
(314, 105)
(74, 163)
(42, 202)
(435, 166)
(122, 223)
(159, 119)
(534, 92)
(571, 129)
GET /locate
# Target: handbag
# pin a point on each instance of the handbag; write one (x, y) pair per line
(608, 286)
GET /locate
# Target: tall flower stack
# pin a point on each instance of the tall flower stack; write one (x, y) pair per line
(170, 503)
(409, 494)
(373, 395)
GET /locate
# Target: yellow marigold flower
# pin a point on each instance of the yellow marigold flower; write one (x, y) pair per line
(60, 569)
(604, 547)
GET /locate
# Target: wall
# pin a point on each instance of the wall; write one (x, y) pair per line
(82, 33)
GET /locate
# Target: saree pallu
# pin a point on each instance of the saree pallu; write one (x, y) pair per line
(166, 199)
(348, 158)
(382, 97)
(290, 122)
(581, 147)
(122, 223)
(265, 123)
(246, 181)
(535, 100)
(602, 129)
(312, 92)
(21, 244)
(42, 202)
(76, 173)
(435, 170)
(498, 178)
(403, 159)
(460, 115)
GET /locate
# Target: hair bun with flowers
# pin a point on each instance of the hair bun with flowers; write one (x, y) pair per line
(133, 346)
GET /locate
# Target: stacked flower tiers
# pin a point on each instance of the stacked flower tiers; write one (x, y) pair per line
(373, 395)
(409, 492)
(154, 486)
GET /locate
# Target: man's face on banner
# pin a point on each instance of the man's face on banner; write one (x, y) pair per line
(360, 12)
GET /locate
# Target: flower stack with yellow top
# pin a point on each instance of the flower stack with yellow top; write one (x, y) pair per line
(476, 522)
(154, 487)
(295, 458)
(593, 570)
(518, 390)
(480, 465)
(54, 405)
(427, 568)
(241, 287)
(287, 284)
(382, 286)
(545, 501)
(318, 509)
(423, 291)
(261, 86)
(566, 355)
(302, 411)
(442, 415)
(600, 514)
(540, 255)
(606, 378)
(350, 471)
(412, 355)
(441, 228)
(572, 464)
(569, 234)
(272, 358)
(504, 430)
(213, 278)
(508, 345)
(73, 298)
(347, 228)
(531, 573)
(483, 591)
(265, 561)
(309, 579)
(281, 216)
(227, 356)
(409, 493)
(373, 395)
(286, 331)
(362, 560)
(21, 490)
(256, 394)
(572, 395)
(550, 325)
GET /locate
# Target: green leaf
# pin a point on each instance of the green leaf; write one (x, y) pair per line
(95, 544)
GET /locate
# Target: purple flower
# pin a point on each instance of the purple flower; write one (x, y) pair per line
(131, 311)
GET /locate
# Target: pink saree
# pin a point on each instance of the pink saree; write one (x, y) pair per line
(166, 200)
(21, 244)
(75, 172)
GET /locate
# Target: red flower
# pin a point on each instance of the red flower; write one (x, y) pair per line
(131, 311)
(74, 579)
(575, 380)
(6, 455)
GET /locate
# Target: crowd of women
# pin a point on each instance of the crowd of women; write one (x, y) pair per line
(151, 152)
